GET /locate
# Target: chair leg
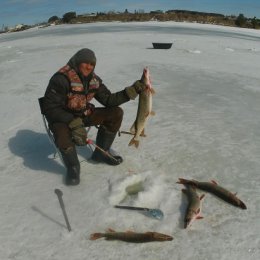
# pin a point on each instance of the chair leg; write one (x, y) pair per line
(52, 140)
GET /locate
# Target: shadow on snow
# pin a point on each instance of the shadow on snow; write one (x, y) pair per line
(38, 153)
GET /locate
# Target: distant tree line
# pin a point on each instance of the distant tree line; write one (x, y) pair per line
(159, 15)
(156, 15)
(67, 18)
(242, 21)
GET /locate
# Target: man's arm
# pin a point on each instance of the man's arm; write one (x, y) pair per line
(55, 99)
(108, 99)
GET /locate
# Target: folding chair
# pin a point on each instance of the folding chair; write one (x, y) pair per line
(50, 134)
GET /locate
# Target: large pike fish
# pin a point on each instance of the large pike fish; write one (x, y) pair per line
(132, 236)
(194, 208)
(144, 109)
(214, 188)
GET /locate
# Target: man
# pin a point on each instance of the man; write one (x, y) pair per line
(68, 110)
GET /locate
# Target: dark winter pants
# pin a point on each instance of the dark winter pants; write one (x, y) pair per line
(110, 118)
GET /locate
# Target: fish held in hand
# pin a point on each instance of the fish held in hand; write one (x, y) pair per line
(144, 109)
(194, 207)
(214, 188)
(132, 237)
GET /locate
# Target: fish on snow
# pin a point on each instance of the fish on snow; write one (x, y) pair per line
(217, 190)
(131, 236)
(194, 208)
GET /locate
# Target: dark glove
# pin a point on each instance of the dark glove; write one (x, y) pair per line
(134, 90)
(78, 131)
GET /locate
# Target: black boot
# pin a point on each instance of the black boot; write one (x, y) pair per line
(70, 159)
(104, 141)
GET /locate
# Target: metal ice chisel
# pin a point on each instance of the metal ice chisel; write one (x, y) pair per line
(59, 194)
(155, 213)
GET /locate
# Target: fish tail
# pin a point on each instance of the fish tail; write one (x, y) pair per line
(95, 236)
(134, 142)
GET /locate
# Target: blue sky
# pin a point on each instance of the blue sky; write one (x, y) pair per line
(13, 12)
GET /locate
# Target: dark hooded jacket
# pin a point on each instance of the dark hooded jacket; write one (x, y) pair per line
(56, 95)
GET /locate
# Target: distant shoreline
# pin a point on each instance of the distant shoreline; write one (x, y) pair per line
(149, 24)
(172, 15)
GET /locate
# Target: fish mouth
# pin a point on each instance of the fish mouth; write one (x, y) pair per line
(242, 205)
(162, 237)
(168, 238)
(187, 222)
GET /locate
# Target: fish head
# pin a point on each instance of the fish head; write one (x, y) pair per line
(187, 222)
(146, 78)
(161, 237)
(242, 205)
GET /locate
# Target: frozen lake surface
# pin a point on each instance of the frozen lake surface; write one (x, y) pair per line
(206, 127)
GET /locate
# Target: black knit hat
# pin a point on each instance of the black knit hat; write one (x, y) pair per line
(82, 56)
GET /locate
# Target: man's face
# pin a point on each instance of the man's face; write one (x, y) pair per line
(86, 68)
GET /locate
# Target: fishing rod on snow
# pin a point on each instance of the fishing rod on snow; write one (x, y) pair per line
(91, 142)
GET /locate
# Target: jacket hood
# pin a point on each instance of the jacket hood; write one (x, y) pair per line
(82, 56)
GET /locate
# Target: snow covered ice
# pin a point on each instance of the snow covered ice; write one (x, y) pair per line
(206, 127)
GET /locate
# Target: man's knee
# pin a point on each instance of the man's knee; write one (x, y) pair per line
(62, 136)
(119, 113)
(113, 122)
(118, 118)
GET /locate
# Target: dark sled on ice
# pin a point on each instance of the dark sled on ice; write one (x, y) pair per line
(162, 45)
